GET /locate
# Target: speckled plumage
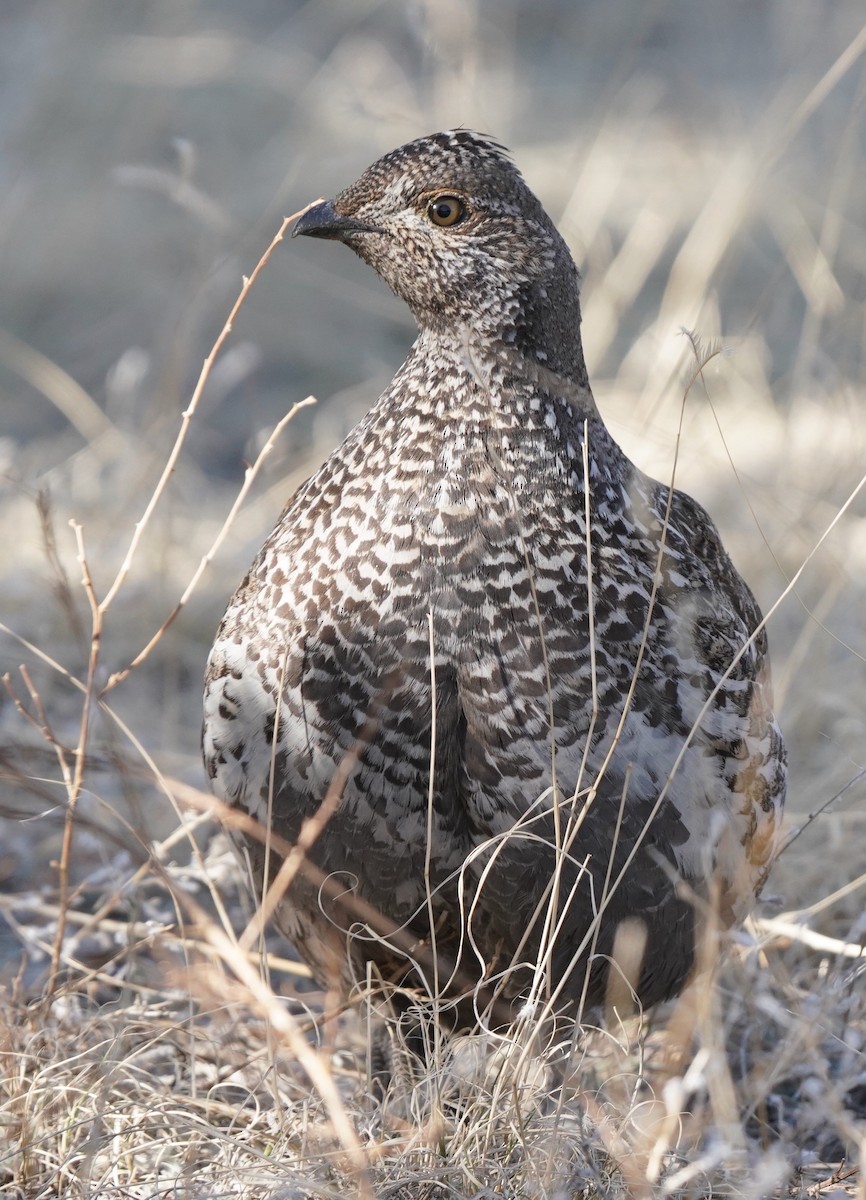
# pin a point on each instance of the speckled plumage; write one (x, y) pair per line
(598, 689)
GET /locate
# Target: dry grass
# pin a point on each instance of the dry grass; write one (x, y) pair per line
(709, 173)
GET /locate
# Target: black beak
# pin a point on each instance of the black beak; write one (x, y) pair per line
(323, 221)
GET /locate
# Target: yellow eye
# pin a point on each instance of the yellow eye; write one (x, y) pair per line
(445, 210)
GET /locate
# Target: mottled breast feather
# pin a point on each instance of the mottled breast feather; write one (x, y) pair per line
(521, 683)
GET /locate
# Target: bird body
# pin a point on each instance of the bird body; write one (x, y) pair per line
(527, 675)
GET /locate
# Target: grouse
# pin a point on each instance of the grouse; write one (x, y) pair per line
(519, 684)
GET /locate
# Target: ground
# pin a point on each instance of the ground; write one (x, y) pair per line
(705, 163)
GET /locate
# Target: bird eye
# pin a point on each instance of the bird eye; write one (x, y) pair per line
(445, 210)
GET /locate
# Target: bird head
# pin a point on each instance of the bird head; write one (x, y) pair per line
(450, 225)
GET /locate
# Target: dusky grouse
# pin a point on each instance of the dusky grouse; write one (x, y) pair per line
(525, 679)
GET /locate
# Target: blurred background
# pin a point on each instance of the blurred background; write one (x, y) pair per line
(704, 160)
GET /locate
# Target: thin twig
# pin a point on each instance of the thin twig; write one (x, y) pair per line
(819, 811)
(79, 757)
(778, 928)
(190, 410)
(249, 477)
(292, 862)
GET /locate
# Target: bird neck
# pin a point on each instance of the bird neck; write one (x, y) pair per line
(534, 325)
(461, 402)
(465, 417)
(503, 369)
(541, 323)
